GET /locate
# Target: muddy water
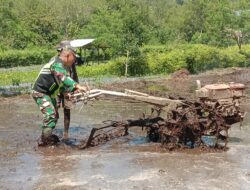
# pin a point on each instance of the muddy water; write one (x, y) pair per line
(126, 163)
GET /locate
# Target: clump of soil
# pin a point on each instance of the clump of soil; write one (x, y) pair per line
(182, 73)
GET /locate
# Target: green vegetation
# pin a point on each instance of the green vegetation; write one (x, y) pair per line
(15, 58)
(122, 25)
(139, 37)
(195, 58)
(17, 77)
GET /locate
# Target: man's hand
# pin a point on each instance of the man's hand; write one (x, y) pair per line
(81, 88)
(67, 95)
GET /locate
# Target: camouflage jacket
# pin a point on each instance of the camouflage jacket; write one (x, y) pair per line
(53, 78)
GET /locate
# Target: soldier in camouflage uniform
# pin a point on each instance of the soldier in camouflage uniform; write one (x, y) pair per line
(66, 103)
(52, 80)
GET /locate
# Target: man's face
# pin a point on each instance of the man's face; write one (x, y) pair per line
(71, 58)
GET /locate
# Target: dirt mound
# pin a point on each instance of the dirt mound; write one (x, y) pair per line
(180, 74)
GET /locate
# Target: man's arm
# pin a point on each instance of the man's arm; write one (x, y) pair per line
(60, 74)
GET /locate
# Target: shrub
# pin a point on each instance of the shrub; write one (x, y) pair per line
(149, 48)
(166, 62)
(117, 66)
(231, 57)
(201, 58)
(246, 52)
(14, 58)
(172, 61)
(138, 66)
(91, 71)
(196, 58)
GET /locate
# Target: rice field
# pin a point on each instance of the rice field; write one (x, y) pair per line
(18, 75)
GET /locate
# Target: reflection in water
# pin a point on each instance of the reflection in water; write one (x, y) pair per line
(56, 165)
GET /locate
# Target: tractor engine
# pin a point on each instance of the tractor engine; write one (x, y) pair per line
(225, 98)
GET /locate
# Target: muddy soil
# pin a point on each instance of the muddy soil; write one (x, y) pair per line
(182, 84)
(126, 163)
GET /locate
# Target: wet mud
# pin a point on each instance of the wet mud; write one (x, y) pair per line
(128, 162)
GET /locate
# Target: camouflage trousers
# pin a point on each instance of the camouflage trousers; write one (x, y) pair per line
(47, 106)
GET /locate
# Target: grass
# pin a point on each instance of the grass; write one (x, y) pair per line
(17, 77)
(28, 74)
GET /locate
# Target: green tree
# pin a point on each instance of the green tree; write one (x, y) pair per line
(41, 20)
(122, 25)
(10, 29)
(219, 16)
(194, 22)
